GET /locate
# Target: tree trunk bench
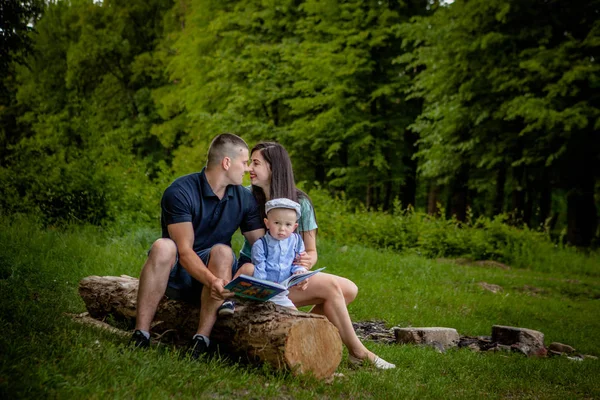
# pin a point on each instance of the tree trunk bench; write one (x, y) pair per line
(261, 332)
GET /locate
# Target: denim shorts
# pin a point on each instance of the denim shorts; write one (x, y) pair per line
(182, 286)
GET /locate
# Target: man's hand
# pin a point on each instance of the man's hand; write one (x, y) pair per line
(218, 291)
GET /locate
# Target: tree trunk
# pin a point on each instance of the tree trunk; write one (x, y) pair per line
(545, 198)
(581, 211)
(528, 208)
(518, 195)
(388, 188)
(261, 332)
(408, 192)
(320, 173)
(500, 183)
(459, 194)
(433, 198)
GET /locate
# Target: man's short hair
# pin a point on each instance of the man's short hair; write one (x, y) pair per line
(224, 145)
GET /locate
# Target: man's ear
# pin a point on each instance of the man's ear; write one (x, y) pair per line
(226, 163)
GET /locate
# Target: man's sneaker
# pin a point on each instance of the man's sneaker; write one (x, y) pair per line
(139, 341)
(227, 308)
(197, 348)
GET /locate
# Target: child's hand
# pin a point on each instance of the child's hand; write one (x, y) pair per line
(304, 284)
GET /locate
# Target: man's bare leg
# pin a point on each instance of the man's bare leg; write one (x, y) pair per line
(219, 264)
(153, 281)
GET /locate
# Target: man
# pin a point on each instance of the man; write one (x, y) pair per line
(193, 260)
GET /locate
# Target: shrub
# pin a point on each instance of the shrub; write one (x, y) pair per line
(415, 231)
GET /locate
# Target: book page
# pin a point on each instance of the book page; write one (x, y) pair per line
(296, 279)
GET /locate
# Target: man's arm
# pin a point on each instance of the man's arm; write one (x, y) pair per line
(183, 235)
(253, 236)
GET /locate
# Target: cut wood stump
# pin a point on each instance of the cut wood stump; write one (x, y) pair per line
(261, 332)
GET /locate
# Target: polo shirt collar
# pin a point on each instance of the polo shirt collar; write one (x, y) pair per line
(208, 191)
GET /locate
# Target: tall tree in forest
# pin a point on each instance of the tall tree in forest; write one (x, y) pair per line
(88, 111)
(317, 76)
(226, 74)
(506, 86)
(351, 115)
(17, 19)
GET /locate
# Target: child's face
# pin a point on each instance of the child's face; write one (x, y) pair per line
(281, 223)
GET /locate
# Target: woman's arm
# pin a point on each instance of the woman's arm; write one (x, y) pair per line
(309, 257)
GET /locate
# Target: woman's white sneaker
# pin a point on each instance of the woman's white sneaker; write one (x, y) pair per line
(379, 363)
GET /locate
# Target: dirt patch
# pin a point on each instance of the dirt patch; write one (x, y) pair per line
(531, 290)
(375, 331)
(490, 287)
(475, 263)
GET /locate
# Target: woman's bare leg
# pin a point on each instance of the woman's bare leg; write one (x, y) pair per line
(349, 290)
(324, 290)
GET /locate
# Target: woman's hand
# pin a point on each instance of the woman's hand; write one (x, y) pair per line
(306, 260)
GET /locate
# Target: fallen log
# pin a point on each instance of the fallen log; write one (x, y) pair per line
(261, 332)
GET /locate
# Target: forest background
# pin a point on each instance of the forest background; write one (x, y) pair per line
(428, 135)
(470, 109)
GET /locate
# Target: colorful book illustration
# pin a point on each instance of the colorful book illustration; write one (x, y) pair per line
(262, 290)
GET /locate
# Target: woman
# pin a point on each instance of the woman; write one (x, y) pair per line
(272, 177)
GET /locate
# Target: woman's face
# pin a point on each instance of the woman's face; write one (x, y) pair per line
(260, 170)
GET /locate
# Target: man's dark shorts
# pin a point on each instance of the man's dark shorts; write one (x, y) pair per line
(182, 286)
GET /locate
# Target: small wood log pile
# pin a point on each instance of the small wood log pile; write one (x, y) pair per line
(261, 332)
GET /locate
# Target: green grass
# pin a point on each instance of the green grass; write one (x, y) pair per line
(43, 353)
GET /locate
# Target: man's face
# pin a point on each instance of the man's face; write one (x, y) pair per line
(238, 167)
(281, 223)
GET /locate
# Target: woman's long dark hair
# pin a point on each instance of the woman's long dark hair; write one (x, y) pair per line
(282, 177)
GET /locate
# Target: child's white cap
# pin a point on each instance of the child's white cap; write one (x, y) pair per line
(283, 203)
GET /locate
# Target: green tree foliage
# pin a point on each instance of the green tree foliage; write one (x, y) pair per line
(16, 21)
(495, 102)
(511, 85)
(84, 150)
(351, 115)
(316, 76)
(16, 25)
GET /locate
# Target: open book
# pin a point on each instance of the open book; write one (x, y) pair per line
(262, 290)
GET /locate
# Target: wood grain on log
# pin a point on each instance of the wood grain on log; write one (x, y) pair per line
(263, 332)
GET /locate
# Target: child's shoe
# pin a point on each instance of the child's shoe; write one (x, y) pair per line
(226, 309)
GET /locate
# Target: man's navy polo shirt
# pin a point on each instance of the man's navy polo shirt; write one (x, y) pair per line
(191, 199)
